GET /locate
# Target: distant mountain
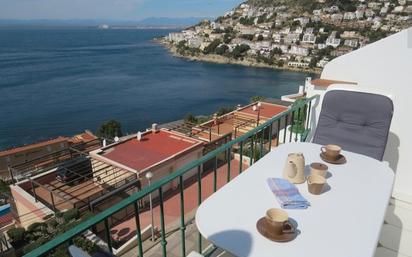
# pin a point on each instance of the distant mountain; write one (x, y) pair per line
(148, 22)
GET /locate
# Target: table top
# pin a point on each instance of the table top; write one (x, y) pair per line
(342, 222)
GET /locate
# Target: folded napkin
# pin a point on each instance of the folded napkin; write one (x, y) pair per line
(287, 194)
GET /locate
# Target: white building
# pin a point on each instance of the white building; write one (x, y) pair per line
(291, 38)
(349, 34)
(276, 37)
(398, 9)
(309, 38)
(369, 13)
(302, 20)
(351, 43)
(384, 10)
(176, 37)
(194, 42)
(297, 50)
(317, 12)
(309, 30)
(349, 16)
(298, 30)
(359, 14)
(332, 41)
(336, 17)
(298, 64)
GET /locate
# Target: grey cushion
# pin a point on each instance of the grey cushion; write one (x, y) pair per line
(358, 122)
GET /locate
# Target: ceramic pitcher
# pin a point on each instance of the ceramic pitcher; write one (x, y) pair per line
(294, 170)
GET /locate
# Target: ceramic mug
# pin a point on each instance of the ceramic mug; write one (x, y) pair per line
(317, 168)
(316, 184)
(278, 221)
(331, 151)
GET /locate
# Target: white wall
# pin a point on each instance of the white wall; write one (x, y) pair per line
(386, 67)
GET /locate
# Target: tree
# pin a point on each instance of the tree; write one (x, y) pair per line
(211, 47)
(313, 62)
(276, 50)
(260, 38)
(110, 129)
(224, 110)
(227, 38)
(190, 118)
(221, 49)
(280, 63)
(257, 98)
(246, 21)
(239, 50)
(247, 36)
(262, 18)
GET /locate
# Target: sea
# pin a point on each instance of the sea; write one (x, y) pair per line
(61, 81)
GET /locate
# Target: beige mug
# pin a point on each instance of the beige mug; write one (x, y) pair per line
(316, 184)
(278, 221)
(331, 151)
(317, 168)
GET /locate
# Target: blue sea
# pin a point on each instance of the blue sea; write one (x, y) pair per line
(61, 81)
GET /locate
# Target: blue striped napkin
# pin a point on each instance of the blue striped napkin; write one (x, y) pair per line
(287, 194)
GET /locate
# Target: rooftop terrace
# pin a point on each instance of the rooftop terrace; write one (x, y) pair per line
(154, 147)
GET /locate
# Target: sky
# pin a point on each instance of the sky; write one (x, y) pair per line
(112, 9)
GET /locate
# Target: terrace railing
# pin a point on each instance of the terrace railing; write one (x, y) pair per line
(253, 144)
(52, 160)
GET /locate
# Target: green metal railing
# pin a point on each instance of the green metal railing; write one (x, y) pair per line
(255, 140)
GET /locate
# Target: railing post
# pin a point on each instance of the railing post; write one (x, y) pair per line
(251, 151)
(182, 216)
(108, 236)
(291, 126)
(199, 201)
(162, 223)
(138, 230)
(229, 158)
(241, 157)
(270, 136)
(286, 128)
(277, 133)
(298, 126)
(308, 116)
(215, 175)
(261, 144)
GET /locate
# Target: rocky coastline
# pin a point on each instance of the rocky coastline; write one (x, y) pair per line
(219, 59)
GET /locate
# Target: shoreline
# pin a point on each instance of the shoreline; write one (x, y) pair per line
(219, 59)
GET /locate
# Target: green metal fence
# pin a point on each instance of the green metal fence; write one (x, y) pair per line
(254, 144)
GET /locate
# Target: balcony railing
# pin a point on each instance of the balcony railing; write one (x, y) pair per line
(290, 126)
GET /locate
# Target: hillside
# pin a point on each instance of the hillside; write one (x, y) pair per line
(293, 34)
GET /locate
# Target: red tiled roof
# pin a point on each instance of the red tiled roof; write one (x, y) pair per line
(6, 219)
(328, 82)
(83, 137)
(152, 149)
(32, 146)
(267, 110)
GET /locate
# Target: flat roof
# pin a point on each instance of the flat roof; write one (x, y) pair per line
(33, 146)
(267, 110)
(153, 148)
